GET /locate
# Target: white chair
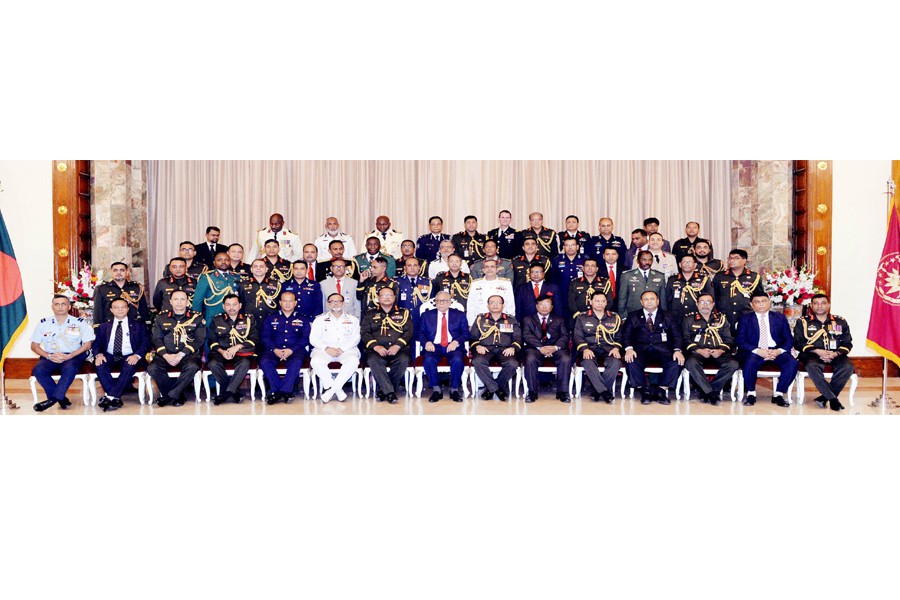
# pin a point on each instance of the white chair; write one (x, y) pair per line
(475, 382)
(801, 392)
(372, 385)
(139, 376)
(577, 380)
(419, 371)
(252, 374)
(198, 384)
(684, 382)
(83, 377)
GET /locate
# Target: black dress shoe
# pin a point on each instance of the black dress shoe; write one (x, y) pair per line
(392, 398)
(563, 397)
(664, 401)
(532, 397)
(607, 396)
(749, 401)
(287, 397)
(272, 398)
(42, 406)
(659, 394)
(821, 401)
(114, 404)
(179, 401)
(836, 405)
(65, 403)
(646, 400)
(713, 399)
(596, 397)
(104, 402)
(646, 396)
(487, 395)
(455, 396)
(163, 401)
(779, 401)
(217, 400)
(501, 396)
(379, 396)
(435, 396)
(237, 397)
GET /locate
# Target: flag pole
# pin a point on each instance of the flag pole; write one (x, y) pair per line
(884, 372)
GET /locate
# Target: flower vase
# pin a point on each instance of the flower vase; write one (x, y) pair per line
(792, 313)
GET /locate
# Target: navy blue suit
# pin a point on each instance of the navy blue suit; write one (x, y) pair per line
(525, 300)
(780, 337)
(139, 338)
(458, 330)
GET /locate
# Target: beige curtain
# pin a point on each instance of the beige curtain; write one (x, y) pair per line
(238, 196)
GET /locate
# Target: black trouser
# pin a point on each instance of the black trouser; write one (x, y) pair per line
(159, 372)
(114, 387)
(388, 382)
(597, 381)
(231, 384)
(725, 364)
(508, 366)
(635, 369)
(815, 368)
(534, 359)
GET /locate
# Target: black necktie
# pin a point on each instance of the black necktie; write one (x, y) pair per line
(544, 335)
(645, 278)
(117, 340)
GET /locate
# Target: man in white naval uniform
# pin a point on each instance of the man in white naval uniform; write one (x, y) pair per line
(490, 285)
(334, 338)
(290, 246)
(390, 238)
(333, 232)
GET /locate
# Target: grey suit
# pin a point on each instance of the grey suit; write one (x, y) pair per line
(348, 291)
(632, 285)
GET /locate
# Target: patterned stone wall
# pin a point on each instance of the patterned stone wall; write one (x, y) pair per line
(761, 209)
(119, 215)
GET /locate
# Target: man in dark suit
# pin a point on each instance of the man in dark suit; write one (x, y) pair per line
(120, 346)
(652, 335)
(765, 336)
(206, 251)
(527, 294)
(546, 337)
(443, 333)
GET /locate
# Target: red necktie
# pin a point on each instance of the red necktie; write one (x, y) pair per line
(339, 287)
(445, 334)
(537, 290)
(612, 281)
(544, 328)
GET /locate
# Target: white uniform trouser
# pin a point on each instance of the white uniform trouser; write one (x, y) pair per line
(319, 360)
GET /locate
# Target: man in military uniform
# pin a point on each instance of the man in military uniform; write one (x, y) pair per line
(414, 291)
(597, 337)
(373, 251)
(454, 281)
(652, 335)
(308, 292)
(504, 266)
(703, 256)
(236, 261)
(334, 338)
(333, 233)
(61, 342)
(440, 264)
(469, 244)
(260, 292)
(822, 339)
(277, 268)
(637, 281)
(285, 337)
(571, 232)
(390, 239)
(428, 245)
(289, 246)
(583, 289)
(178, 337)
(683, 289)
(408, 250)
(495, 335)
(529, 257)
(484, 288)
(178, 279)
(387, 334)
(214, 286)
(566, 267)
(372, 281)
(547, 242)
(233, 336)
(599, 243)
(546, 337)
(187, 251)
(508, 243)
(708, 339)
(336, 249)
(120, 287)
(339, 283)
(736, 287)
(686, 244)
(663, 261)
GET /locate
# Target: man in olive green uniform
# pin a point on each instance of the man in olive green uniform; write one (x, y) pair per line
(598, 338)
(178, 337)
(735, 288)
(495, 335)
(637, 281)
(386, 333)
(823, 338)
(707, 335)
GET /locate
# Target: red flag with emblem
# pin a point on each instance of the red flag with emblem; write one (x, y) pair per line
(884, 322)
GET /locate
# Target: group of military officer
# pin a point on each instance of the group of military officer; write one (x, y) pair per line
(548, 298)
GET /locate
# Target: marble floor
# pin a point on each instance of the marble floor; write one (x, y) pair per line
(865, 404)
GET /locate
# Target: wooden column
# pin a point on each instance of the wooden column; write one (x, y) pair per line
(812, 217)
(71, 216)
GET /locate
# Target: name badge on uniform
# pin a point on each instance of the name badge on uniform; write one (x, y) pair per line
(466, 253)
(505, 328)
(747, 295)
(832, 345)
(663, 337)
(677, 294)
(698, 337)
(580, 273)
(403, 296)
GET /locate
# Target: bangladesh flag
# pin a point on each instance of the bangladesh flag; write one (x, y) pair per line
(13, 315)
